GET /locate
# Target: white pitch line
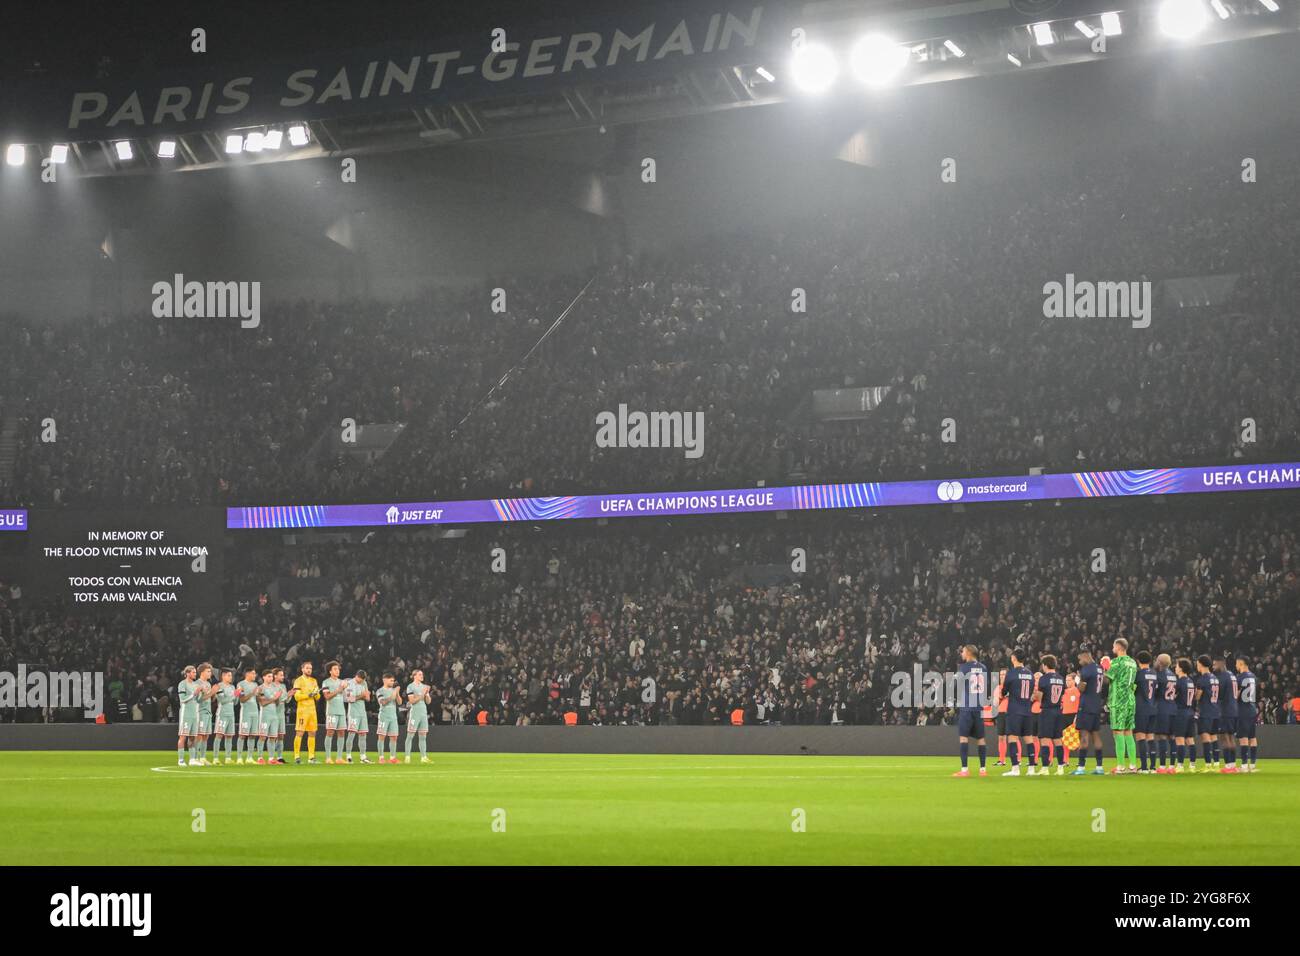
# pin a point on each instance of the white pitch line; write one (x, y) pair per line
(409, 775)
(633, 775)
(47, 779)
(493, 772)
(686, 772)
(642, 773)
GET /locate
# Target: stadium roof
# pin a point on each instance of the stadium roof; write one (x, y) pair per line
(438, 79)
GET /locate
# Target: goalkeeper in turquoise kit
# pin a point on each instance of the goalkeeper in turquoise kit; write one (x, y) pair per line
(1121, 677)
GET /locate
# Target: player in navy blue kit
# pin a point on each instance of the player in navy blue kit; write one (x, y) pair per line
(1088, 719)
(1166, 711)
(1049, 694)
(1208, 694)
(972, 692)
(1247, 716)
(1144, 723)
(1185, 719)
(1018, 689)
(1227, 714)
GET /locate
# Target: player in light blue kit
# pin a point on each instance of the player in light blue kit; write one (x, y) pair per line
(206, 693)
(249, 719)
(281, 704)
(268, 728)
(188, 730)
(387, 697)
(336, 710)
(355, 695)
(418, 695)
(224, 728)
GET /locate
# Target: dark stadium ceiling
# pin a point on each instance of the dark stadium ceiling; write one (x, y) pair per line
(944, 42)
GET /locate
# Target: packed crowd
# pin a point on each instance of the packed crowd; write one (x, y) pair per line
(941, 301)
(656, 625)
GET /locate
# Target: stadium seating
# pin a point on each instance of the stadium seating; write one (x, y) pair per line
(932, 302)
(715, 617)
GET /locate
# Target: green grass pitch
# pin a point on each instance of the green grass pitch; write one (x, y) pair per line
(139, 808)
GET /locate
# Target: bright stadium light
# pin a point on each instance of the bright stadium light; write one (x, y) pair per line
(273, 139)
(1110, 24)
(1220, 9)
(1083, 28)
(1013, 59)
(954, 49)
(254, 142)
(813, 68)
(16, 154)
(59, 153)
(167, 149)
(297, 135)
(124, 152)
(1182, 19)
(876, 60)
(766, 74)
(234, 143)
(1043, 34)
(1270, 5)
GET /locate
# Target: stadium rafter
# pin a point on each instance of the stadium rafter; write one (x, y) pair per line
(944, 42)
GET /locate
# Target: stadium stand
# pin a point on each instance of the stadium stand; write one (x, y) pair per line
(715, 616)
(930, 303)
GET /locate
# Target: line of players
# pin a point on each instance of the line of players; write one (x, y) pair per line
(1157, 714)
(207, 710)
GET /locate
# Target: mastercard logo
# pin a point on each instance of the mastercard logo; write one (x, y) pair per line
(950, 491)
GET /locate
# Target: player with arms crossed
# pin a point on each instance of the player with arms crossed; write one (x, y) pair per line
(1121, 681)
(418, 695)
(1247, 716)
(336, 713)
(1049, 694)
(250, 720)
(972, 696)
(305, 693)
(387, 696)
(188, 691)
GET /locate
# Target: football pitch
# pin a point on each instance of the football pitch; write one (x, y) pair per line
(141, 808)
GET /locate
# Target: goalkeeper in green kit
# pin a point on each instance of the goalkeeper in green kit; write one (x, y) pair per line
(1121, 678)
